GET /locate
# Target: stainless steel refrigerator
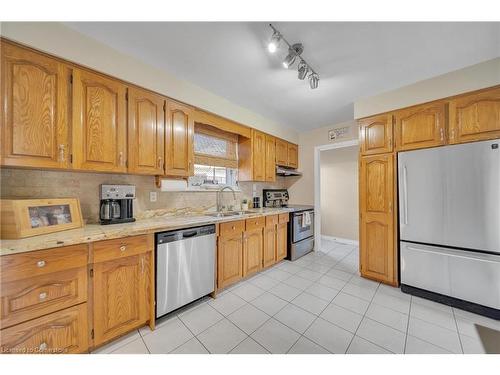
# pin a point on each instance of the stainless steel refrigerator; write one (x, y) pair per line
(449, 222)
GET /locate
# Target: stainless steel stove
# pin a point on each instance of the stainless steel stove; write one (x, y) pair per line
(300, 225)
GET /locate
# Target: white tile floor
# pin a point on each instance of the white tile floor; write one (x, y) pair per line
(317, 304)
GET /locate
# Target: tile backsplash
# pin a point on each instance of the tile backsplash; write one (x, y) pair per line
(28, 183)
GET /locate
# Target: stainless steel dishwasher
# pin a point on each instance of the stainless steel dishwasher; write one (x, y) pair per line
(185, 267)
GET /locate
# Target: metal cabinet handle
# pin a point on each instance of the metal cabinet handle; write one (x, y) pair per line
(123, 248)
(61, 153)
(442, 134)
(40, 263)
(120, 158)
(42, 295)
(405, 195)
(43, 346)
(160, 162)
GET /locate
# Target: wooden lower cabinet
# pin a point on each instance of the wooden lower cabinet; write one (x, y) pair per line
(121, 296)
(281, 241)
(64, 331)
(252, 251)
(229, 260)
(269, 253)
(377, 240)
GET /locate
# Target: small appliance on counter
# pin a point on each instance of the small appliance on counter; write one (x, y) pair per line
(300, 225)
(256, 202)
(116, 204)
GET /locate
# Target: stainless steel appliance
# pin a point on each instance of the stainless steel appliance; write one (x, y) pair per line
(449, 221)
(116, 204)
(287, 172)
(300, 225)
(185, 267)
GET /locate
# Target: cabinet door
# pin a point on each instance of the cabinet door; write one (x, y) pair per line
(421, 127)
(376, 135)
(281, 153)
(99, 123)
(269, 253)
(229, 260)
(64, 331)
(293, 156)
(34, 109)
(179, 135)
(146, 132)
(121, 296)
(252, 251)
(281, 241)
(377, 250)
(475, 117)
(270, 159)
(259, 156)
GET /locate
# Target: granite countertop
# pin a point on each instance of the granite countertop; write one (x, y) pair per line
(96, 232)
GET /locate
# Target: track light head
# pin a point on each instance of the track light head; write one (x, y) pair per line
(274, 42)
(313, 80)
(293, 52)
(303, 69)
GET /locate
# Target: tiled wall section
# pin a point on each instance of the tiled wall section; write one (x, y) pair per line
(21, 183)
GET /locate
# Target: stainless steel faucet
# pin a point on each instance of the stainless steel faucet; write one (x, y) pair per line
(219, 193)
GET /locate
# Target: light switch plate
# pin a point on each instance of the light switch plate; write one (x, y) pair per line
(153, 196)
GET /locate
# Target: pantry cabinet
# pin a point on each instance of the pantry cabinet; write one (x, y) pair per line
(377, 240)
(376, 135)
(179, 134)
(270, 163)
(421, 127)
(146, 132)
(475, 117)
(34, 109)
(99, 123)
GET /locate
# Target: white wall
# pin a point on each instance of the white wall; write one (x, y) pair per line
(474, 77)
(339, 192)
(62, 41)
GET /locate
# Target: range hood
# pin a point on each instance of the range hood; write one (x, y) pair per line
(287, 172)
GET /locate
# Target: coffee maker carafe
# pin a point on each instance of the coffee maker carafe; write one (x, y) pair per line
(116, 204)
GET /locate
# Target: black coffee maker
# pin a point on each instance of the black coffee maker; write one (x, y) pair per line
(116, 204)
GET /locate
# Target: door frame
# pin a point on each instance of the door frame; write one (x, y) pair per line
(317, 184)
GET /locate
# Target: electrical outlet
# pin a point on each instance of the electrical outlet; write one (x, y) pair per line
(153, 196)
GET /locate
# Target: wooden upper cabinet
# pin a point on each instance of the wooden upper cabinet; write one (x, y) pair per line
(34, 109)
(376, 135)
(281, 152)
(259, 156)
(377, 247)
(121, 296)
(270, 158)
(421, 127)
(179, 135)
(475, 117)
(146, 132)
(99, 123)
(293, 155)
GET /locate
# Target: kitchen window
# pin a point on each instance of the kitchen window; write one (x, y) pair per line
(215, 157)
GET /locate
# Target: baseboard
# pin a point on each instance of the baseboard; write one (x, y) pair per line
(347, 241)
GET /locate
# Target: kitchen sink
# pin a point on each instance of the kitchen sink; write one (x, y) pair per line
(230, 213)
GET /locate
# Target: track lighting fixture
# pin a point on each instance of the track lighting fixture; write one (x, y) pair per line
(294, 53)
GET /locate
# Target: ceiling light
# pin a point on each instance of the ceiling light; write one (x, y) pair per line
(274, 42)
(303, 69)
(313, 80)
(294, 53)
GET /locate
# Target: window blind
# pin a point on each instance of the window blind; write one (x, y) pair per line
(215, 147)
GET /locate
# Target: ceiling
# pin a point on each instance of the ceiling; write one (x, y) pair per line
(354, 60)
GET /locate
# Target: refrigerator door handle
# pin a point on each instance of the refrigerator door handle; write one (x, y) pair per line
(405, 196)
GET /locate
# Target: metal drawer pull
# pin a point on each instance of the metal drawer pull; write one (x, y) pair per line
(233, 227)
(40, 263)
(43, 346)
(123, 248)
(42, 295)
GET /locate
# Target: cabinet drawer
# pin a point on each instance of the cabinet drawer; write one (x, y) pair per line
(26, 299)
(272, 220)
(37, 263)
(65, 331)
(255, 223)
(284, 218)
(122, 247)
(231, 228)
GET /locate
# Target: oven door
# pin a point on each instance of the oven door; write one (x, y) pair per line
(299, 231)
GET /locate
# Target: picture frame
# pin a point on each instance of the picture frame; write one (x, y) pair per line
(31, 217)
